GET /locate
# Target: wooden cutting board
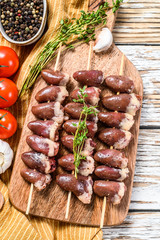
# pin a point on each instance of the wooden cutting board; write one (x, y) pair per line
(51, 202)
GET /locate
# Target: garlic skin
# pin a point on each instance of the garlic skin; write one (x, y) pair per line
(103, 41)
(6, 156)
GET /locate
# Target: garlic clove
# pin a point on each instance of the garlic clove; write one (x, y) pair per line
(104, 40)
(6, 156)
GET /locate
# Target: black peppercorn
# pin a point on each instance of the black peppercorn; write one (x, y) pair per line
(21, 19)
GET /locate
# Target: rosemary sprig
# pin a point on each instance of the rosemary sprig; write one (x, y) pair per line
(81, 132)
(70, 30)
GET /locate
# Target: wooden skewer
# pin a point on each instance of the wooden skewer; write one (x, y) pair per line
(89, 56)
(105, 199)
(29, 199)
(58, 57)
(70, 193)
(31, 187)
(68, 202)
(122, 65)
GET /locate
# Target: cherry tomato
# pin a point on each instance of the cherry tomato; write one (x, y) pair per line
(9, 61)
(8, 124)
(8, 93)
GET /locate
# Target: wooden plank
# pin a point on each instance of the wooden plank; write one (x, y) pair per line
(137, 226)
(135, 16)
(145, 194)
(147, 61)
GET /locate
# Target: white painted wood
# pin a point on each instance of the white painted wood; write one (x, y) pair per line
(146, 189)
(138, 22)
(147, 61)
(137, 226)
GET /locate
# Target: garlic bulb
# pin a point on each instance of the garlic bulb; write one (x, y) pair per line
(6, 156)
(104, 40)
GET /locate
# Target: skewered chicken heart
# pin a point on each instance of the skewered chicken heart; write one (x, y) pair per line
(128, 103)
(92, 95)
(89, 77)
(47, 129)
(39, 180)
(43, 145)
(81, 187)
(121, 84)
(114, 191)
(112, 158)
(117, 138)
(52, 93)
(115, 119)
(39, 161)
(55, 77)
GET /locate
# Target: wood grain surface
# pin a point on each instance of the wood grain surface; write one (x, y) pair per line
(53, 198)
(137, 226)
(138, 22)
(143, 220)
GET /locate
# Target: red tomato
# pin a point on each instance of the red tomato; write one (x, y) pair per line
(8, 58)
(8, 93)
(8, 124)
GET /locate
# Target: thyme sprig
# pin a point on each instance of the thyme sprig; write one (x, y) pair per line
(116, 5)
(70, 30)
(81, 132)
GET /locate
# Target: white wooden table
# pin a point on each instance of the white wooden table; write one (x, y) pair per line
(137, 34)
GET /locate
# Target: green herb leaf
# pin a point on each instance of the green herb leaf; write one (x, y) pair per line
(62, 22)
(116, 5)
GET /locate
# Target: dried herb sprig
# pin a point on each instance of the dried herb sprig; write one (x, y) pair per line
(70, 30)
(81, 132)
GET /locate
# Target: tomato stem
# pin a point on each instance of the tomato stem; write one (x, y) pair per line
(3, 126)
(3, 116)
(4, 98)
(1, 96)
(1, 119)
(3, 66)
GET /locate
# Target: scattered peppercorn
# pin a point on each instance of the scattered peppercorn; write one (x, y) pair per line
(21, 19)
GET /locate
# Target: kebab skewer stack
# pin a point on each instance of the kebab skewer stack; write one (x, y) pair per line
(83, 183)
(44, 143)
(114, 169)
(118, 118)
